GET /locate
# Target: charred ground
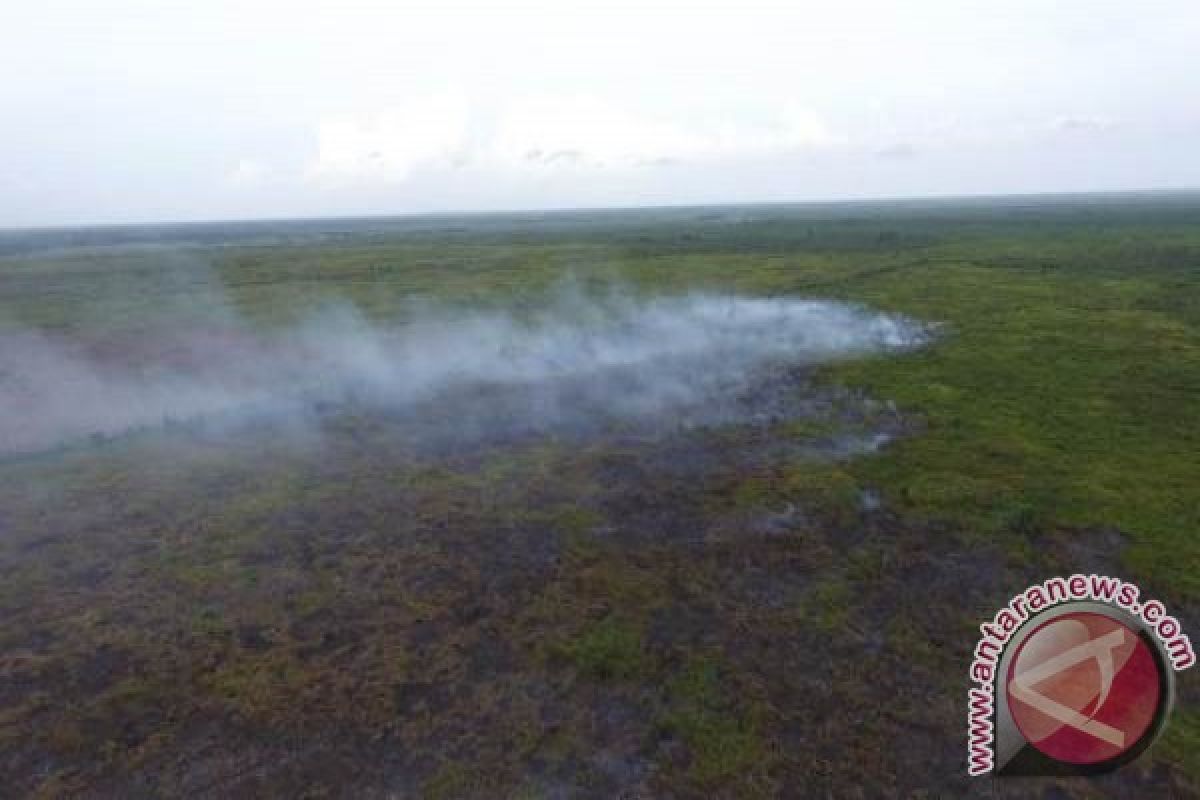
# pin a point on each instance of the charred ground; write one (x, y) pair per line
(761, 604)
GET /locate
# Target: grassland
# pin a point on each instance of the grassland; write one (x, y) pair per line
(545, 618)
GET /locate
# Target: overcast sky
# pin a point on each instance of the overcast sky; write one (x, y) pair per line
(120, 110)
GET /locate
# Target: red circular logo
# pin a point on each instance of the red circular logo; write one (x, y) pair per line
(1084, 688)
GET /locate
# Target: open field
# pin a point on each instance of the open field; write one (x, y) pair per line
(780, 599)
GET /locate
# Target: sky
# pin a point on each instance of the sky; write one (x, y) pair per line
(118, 111)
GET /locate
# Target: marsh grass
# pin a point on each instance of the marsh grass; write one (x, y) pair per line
(527, 594)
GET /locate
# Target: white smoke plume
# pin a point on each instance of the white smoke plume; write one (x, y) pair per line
(579, 360)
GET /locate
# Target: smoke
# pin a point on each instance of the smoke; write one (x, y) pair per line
(578, 362)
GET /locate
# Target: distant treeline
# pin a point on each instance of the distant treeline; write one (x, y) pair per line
(870, 225)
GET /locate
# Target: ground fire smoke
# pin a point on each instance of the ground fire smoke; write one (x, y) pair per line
(576, 361)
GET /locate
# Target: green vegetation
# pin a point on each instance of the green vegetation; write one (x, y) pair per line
(723, 743)
(1060, 396)
(546, 617)
(607, 649)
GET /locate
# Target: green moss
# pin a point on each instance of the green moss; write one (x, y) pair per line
(830, 488)
(1180, 743)
(455, 780)
(723, 742)
(827, 602)
(608, 649)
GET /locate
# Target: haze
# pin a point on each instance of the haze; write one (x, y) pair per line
(583, 362)
(127, 111)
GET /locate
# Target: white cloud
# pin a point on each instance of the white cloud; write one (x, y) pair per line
(688, 102)
(533, 135)
(248, 172)
(585, 132)
(387, 145)
(1071, 124)
(898, 151)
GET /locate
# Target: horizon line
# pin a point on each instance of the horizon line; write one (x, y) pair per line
(564, 210)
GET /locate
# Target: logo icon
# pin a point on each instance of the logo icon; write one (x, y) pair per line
(1082, 690)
